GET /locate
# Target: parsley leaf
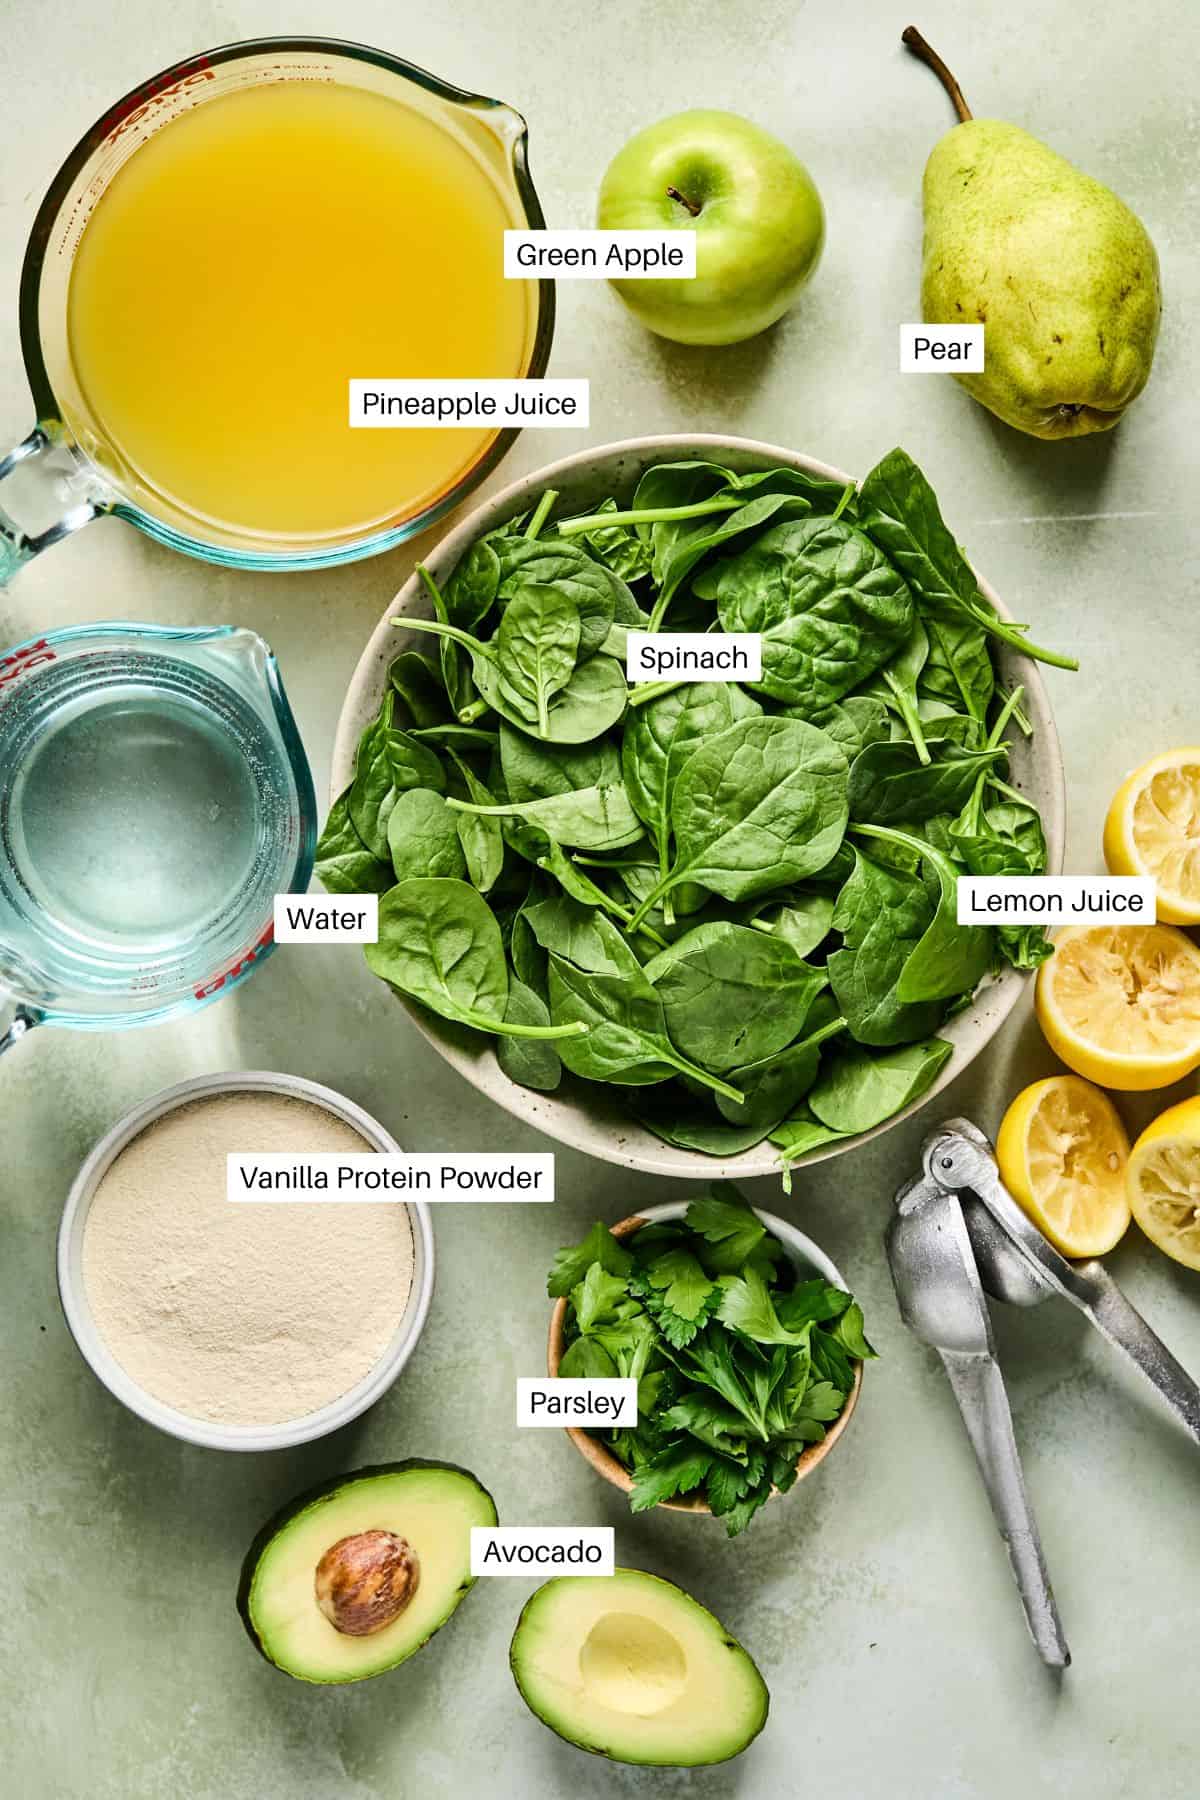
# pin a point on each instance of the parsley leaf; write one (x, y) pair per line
(717, 1425)
(589, 1360)
(815, 1300)
(572, 1264)
(597, 1299)
(676, 1470)
(746, 1306)
(849, 1333)
(730, 1228)
(678, 1295)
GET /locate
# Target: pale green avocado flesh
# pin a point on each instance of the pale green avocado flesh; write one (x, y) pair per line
(430, 1506)
(630, 1667)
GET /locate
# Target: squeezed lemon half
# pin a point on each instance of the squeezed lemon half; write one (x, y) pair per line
(1163, 1181)
(1062, 1151)
(1120, 1004)
(1153, 828)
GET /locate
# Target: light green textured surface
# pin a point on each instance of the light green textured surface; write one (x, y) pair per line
(876, 1599)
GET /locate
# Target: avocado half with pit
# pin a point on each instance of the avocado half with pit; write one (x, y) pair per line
(632, 1668)
(352, 1577)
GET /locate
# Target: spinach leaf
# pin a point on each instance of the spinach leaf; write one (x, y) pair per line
(343, 862)
(423, 838)
(762, 805)
(890, 785)
(774, 1086)
(732, 995)
(618, 547)
(421, 689)
(440, 944)
(578, 884)
(899, 679)
(626, 1040)
(536, 649)
(852, 723)
(803, 921)
(597, 594)
(858, 1091)
(882, 913)
(830, 606)
(899, 510)
(591, 818)
(481, 837)
(530, 1062)
(659, 737)
(950, 959)
(472, 589)
(958, 669)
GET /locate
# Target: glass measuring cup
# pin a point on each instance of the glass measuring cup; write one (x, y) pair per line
(72, 470)
(154, 797)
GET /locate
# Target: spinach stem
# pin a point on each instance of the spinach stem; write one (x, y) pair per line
(910, 715)
(1023, 723)
(545, 507)
(436, 627)
(505, 1028)
(1009, 634)
(1011, 703)
(645, 691)
(648, 515)
(698, 1074)
(469, 714)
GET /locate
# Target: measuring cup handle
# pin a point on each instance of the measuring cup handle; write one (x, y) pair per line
(23, 1022)
(17, 547)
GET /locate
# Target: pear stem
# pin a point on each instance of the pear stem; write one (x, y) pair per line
(673, 193)
(912, 40)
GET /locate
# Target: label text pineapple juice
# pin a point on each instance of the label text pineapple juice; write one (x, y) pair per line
(253, 257)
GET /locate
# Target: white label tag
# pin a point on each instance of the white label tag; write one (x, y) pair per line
(308, 919)
(693, 656)
(576, 1400)
(941, 349)
(357, 1176)
(1056, 899)
(532, 1549)
(468, 405)
(600, 255)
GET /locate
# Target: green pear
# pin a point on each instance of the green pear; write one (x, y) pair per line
(1061, 273)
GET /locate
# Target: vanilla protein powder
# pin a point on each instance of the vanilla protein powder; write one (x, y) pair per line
(241, 1313)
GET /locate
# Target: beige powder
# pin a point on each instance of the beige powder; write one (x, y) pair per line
(241, 1313)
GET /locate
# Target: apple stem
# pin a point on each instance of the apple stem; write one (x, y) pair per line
(912, 40)
(673, 193)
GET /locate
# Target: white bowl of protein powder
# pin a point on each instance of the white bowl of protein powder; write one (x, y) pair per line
(239, 1326)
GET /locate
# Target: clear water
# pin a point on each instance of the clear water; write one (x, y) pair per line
(147, 814)
(134, 818)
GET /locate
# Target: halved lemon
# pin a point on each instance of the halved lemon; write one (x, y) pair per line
(1120, 1004)
(1164, 1182)
(1062, 1151)
(1153, 828)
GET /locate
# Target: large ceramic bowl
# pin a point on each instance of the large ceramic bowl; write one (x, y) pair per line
(580, 1113)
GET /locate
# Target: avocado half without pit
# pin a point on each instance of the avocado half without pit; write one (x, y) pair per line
(634, 1669)
(353, 1577)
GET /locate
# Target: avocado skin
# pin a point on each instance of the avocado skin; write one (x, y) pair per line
(730, 1643)
(325, 1490)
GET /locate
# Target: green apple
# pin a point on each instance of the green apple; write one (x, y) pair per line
(757, 217)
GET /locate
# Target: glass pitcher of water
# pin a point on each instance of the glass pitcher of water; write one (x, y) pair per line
(154, 797)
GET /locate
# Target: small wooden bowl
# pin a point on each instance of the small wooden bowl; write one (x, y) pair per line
(802, 1253)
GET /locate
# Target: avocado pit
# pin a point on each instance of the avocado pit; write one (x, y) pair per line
(364, 1582)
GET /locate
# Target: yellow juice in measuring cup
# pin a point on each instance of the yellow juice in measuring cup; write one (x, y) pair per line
(256, 253)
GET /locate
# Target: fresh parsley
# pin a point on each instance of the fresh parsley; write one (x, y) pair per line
(739, 1364)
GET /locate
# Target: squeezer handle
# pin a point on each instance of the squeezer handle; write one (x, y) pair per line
(979, 1389)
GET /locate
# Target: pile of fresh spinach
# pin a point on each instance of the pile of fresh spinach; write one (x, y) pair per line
(733, 905)
(739, 1362)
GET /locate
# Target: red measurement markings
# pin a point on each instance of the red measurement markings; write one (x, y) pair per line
(239, 968)
(30, 656)
(159, 91)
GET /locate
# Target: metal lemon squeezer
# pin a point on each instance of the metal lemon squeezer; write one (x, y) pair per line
(958, 1236)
